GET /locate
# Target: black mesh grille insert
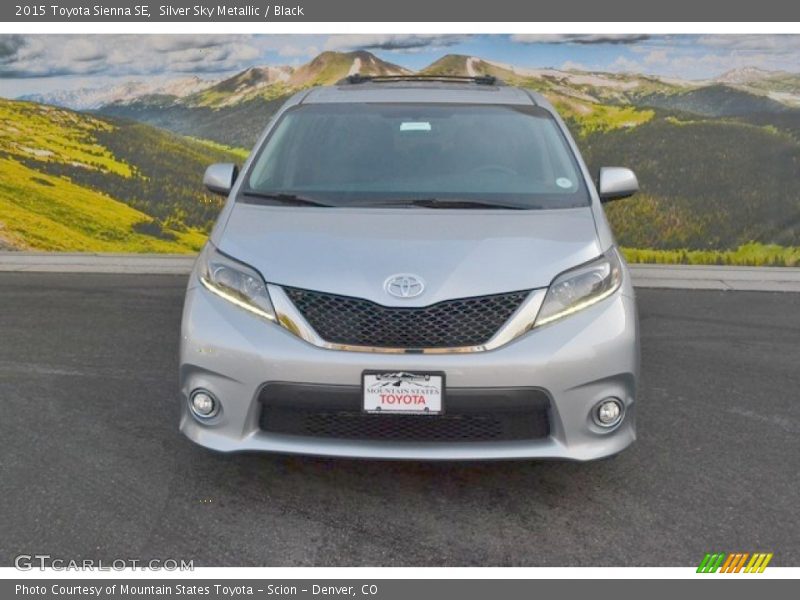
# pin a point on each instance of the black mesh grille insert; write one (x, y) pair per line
(471, 415)
(473, 427)
(448, 324)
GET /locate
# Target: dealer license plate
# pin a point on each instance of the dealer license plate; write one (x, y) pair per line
(403, 392)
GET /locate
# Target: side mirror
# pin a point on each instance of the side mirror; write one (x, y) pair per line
(220, 177)
(616, 183)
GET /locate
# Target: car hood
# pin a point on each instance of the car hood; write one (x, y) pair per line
(457, 253)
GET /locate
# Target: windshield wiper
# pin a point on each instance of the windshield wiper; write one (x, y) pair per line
(292, 199)
(454, 203)
(440, 203)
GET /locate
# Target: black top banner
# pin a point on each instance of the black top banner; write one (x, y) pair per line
(407, 10)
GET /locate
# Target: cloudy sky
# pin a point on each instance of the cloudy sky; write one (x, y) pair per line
(41, 63)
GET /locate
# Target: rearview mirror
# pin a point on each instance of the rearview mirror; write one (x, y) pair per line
(220, 177)
(616, 183)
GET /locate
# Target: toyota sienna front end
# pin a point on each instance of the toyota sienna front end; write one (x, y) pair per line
(412, 269)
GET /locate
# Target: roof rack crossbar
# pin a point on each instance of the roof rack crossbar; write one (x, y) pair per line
(476, 79)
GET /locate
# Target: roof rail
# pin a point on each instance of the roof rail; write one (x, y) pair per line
(476, 79)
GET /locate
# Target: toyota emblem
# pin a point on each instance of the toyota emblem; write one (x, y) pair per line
(404, 285)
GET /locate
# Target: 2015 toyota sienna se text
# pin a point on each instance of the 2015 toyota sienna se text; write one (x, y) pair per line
(412, 268)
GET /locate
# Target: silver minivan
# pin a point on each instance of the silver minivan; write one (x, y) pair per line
(412, 268)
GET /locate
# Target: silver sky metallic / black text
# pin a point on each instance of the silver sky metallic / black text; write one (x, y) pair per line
(224, 10)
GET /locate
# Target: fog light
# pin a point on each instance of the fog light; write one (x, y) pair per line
(203, 404)
(608, 412)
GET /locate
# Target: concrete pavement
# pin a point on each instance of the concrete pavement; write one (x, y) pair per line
(92, 464)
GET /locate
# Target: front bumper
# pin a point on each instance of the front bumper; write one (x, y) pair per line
(577, 362)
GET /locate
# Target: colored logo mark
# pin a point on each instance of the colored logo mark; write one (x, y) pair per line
(734, 562)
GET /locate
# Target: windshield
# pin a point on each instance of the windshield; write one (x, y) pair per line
(395, 154)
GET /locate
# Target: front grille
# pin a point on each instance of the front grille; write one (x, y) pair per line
(448, 324)
(471, 415)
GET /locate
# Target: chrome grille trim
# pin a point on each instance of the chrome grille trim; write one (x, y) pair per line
(292, 319)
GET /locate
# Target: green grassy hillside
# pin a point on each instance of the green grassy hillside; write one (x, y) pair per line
(714, 101)
(69, 181)
(706, 184)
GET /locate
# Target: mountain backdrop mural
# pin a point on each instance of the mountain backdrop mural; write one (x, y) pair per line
(117, 166)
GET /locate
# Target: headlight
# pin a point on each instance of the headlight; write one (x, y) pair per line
(583, 286)
(235, 282)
